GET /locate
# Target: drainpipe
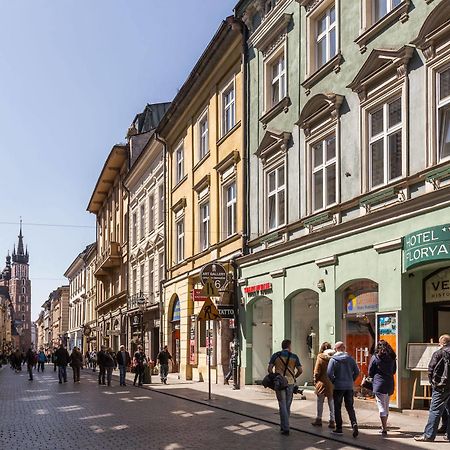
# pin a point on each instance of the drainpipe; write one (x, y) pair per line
(126, 233)
(237, 342)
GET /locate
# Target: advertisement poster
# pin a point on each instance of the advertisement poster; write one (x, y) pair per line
(387, 329)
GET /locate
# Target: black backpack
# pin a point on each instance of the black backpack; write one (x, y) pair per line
(441, 373)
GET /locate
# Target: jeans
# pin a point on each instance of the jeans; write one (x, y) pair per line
(440, 400)
(101, 375)
(347, 396)
(164, 370)
(76, 374)
(109, 371)
(122, 373)
(62, 373)
(30, 370)
(284, 398)
(41, 365)
(320, 402)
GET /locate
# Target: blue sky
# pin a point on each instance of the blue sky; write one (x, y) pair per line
(73, 75)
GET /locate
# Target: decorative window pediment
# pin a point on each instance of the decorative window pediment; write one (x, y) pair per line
(230, 160)
(179, 205)
(202, 187)
(318, 109)
(274, 142)
(381, 64)
(435, 30)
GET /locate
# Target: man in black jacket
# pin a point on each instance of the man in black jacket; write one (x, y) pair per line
(439, 376)
(123, 360)
(62, 359)
(101, 355)
(163, 357)
(30, 359)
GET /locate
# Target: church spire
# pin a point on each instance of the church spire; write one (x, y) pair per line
(20, 256)
(20, 250)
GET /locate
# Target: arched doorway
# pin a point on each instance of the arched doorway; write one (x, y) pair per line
(304, 324)
(174, 330)
(261, 337)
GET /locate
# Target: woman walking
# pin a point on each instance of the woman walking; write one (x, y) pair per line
(76, 362)
(323, 385)
(382, 368)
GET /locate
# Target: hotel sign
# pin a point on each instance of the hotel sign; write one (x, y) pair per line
(437, 287)
(427, 246)
(258, 288)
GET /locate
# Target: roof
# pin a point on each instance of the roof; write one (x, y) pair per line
(81, 257)
(149, 119)
(113, 164)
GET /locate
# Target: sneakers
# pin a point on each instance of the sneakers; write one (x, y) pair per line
(422, 438)
(355, 431)
(317, 423)
(338, 432)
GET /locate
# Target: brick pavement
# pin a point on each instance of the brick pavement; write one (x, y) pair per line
(43, 414)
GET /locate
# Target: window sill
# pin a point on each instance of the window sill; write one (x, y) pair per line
(282, 105)
(201, 161)
(228, 134)
(398, 13)
(333, 64)
(179, 183)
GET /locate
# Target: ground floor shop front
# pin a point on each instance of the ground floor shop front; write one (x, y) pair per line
(358, 287)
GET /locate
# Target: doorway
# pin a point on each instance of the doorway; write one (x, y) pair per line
(262, 337)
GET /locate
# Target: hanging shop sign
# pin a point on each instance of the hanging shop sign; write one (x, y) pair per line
(362, 302)
(197, 295)
(427, 246)
(226, 311)
(437, 287)
(216, 272)
(258, 288)
(193, 341)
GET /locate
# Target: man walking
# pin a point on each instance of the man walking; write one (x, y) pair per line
(438, 374)
(343, 371)
(41, 359)
(123, 360)
(30, 360)
(163, 357)
(286, 364)
(62, 359)
(101, 355)
(109, 364)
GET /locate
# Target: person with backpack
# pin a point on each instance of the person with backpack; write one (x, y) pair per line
(76, 362)
(382, 368)
(439, 376)
(287, 365)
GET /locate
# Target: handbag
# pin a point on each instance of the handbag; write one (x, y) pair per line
(367, 383)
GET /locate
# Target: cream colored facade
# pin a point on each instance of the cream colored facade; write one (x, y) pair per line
(109, 202)
(59, 310)
(203, 131)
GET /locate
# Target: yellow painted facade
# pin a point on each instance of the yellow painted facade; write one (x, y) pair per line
(200, 194)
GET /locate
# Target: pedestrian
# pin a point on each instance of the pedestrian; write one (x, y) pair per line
(343, 372)
(93, 359)
(286, 364)
(30, 359)
(54, 359)
(87, 359)
(41, 360)
(232, 363)
(123, 360)
(76, 362)
(62, 359)
(109, 364)
(163, 357)
(101, 355)
(323, 385)
(17, 361)
(382, 369)
(439, 377)
(139, 362)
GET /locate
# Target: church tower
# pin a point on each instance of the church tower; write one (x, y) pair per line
(20, 292)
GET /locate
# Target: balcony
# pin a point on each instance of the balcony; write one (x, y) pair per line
(141, 300)
(109, 259)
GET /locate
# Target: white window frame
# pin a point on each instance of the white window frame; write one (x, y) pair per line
(151, 277)
(180, 241)
(151, 213)
(161, 203)
(205, 222)
(440, 105)
(179, 163)
(142, 278)
(160, 267)
(229, 207)
(384, 134)
(276, 192)
(389, 7)
(203, 136)
(225, 106)
(134, 280)
(134, 226)
(142, 221)
(279, 61)
(326, 34)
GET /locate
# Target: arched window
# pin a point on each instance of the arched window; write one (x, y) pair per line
(176, 315)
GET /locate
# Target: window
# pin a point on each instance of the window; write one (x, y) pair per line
(151, 279)
(134, 228)
(228, 109)
(161, 267)
(323, 175)
(151, 213)
(142, 281)
(278, 80)
(276, 198)
(383, 7)
(230, 209)
(161, 203)
(180, 240)
(179, 158)
(326, 37)
(444, 114)
(134, 281)
(142, 231)
(204, 226)
(385, 144)
(203, 136)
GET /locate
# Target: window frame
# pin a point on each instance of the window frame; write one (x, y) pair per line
(205, 225)
(269, 64)
(389, 7)
(134, 228)
(142, 278)
(326, 34)
(180, 240)
(227, 205)
(151, 213)
(203, 136)
(142, 221)
(229, 87)
(440, 105)
(161, 203)
(268, 194)
(179, 163)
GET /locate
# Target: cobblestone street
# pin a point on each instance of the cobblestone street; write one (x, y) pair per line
(43, 414)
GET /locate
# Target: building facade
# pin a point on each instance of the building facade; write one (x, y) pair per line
(203, 133)
(90, 308)
(361, 252)
(58, 302)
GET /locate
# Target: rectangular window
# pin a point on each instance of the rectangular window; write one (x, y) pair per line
(278, 77)
(134, 281)
(142, 281)
(228, 109)
(151, 213)
(151, 278)
(142, 221)
(161, 267)
(385, 143)
(203, 137)
(134, 228)
(326, 47)
(383, 7)
(444, 114)
(179, 158)
(180, 240)
(161, 203)
(230, 202)
(276, 201)
(204, 226)
(323, 158)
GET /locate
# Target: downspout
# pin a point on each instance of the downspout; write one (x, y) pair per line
(127, 234)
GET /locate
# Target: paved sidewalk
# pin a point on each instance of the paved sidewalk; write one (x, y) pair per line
(260, 403)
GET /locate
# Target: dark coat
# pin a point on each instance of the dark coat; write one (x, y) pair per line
(30, 357)
(76, 359)
(433, 368)
(382, 370)
(120, 360)
(107, 359)
(62, 357)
